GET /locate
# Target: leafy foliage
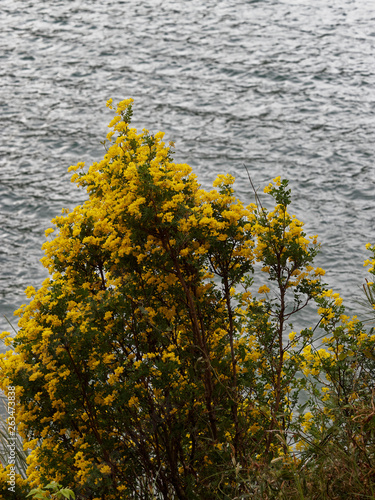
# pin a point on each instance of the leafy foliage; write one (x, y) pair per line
(52, 490)
(149, 365)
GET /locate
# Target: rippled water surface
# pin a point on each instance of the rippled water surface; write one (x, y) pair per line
(283, 87)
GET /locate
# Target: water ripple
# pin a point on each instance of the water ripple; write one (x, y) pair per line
(284, 87)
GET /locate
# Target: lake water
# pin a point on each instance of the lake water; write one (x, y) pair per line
(284, 87)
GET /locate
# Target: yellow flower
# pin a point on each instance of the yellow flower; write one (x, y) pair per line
(159, 135)
(110, 134)
(133, 401)
(263, 289)
(121, 106)
(30, 291)
(223, 180)
(35, 375)
(319, 271)
(105, 469)
(292, 335)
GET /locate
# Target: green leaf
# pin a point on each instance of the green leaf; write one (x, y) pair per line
(67, 493)
(33, 491)
(53, 486)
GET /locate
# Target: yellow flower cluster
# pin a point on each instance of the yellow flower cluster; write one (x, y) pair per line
(149, 326)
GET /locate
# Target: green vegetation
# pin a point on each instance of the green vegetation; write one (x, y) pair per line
(159, 359)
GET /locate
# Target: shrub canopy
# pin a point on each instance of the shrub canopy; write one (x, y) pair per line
(149, 364)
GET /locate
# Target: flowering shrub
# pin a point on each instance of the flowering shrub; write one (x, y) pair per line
(149, 365)
(14, 489)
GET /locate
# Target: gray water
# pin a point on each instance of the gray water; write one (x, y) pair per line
(284, 87)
